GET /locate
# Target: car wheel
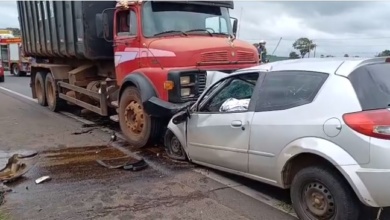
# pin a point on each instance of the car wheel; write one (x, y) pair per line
(322, 193)
(173, 146)
(2, 78)
(40, 88)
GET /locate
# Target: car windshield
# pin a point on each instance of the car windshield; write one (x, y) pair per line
(172, 17)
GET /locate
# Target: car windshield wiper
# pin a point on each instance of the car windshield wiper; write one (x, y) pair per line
(197, 30)
(171, 32)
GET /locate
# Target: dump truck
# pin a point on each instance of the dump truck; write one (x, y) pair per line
(136, 62)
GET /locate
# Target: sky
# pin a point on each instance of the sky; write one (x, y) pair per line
(356, 28)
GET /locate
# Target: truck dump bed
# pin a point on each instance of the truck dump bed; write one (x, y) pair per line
(63, 29)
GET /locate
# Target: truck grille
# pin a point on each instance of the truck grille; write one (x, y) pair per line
(245, 56)
(218, 56)
(201, 82)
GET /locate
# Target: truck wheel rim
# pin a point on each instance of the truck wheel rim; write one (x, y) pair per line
(317, 201)
(134, 117)
(15, 70)
(38, 90)
(50, 94)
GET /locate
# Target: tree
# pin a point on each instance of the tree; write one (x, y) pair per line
(322, 56)
(329, 56)
(346, 55)
(304, 46)
(16, 31)
(384, 53)
(293, 55)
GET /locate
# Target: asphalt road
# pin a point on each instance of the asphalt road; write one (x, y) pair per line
(82, 189)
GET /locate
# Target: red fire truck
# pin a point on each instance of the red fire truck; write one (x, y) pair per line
(12, 58)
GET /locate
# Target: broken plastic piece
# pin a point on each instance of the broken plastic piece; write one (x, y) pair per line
(127, 163)
(140, 165)
(14, 169)
(42, 179)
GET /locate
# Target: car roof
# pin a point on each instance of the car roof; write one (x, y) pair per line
(336, 65)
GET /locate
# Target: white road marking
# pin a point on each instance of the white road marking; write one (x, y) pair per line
(205, 172)
(18, 94)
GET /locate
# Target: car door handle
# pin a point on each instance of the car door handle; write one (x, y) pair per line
(236, 123)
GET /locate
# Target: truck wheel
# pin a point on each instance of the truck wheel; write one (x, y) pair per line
(15, 70)
(321, 193)
(54, 103)
(40, 88)
(136, 125)
(173, 146)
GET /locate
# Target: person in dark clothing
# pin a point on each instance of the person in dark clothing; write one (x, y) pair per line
(262, 51)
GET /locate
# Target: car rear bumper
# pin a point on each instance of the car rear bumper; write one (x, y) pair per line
(370, 185)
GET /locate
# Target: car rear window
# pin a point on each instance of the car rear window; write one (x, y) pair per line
(372, 85)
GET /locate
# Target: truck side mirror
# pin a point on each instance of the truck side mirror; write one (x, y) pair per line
(103, 26)
(235, 25)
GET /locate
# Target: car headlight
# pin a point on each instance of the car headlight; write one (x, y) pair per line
(184, 80)
(185, 91)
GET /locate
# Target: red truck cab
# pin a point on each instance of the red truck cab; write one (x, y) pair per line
(165, 49)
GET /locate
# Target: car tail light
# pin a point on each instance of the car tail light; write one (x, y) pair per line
(374, 123)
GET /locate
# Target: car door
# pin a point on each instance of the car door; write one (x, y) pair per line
(218, 134)
(282, 110)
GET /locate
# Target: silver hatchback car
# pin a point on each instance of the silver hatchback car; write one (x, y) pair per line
(320, 127)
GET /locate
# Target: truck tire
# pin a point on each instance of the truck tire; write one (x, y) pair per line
(322, 193)
(15, 70)
(54, 103)
(138, 127)
(39, 83)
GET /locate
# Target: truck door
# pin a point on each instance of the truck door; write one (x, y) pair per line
(126, 44)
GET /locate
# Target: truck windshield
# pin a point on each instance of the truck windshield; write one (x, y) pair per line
(171, 17)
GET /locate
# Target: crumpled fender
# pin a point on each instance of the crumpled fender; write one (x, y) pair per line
(179, 131)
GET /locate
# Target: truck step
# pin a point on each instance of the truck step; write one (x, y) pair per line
(115, 104)
(114, 118)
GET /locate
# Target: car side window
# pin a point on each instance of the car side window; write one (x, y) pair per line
(284, 90)
(233, 95)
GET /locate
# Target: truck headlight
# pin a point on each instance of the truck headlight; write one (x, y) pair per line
(185, 91)
(185, 80)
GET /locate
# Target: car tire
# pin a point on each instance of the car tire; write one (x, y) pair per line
(322, 193)
(173, 147)
(40, 91)
(130, 104)
(2, 78)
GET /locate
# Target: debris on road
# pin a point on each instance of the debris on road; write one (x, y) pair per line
(127, 163)
(16, 167)
(84, 131)
(42, 179)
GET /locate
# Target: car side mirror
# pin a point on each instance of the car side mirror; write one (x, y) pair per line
(103, 26)
(181, 117)
(235, 25)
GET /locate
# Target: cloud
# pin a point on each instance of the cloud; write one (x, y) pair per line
(357, 28)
